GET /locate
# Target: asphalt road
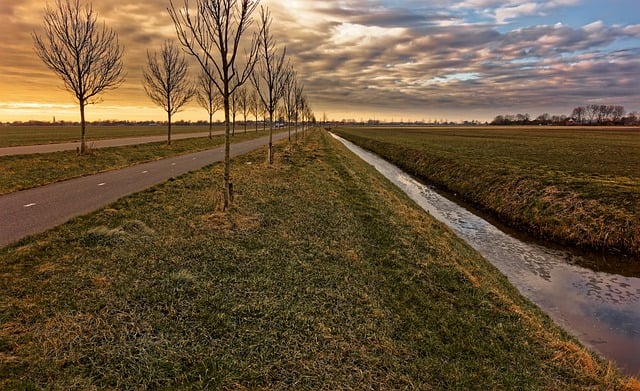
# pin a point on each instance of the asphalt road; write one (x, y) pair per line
(117, 142)
(36, 210)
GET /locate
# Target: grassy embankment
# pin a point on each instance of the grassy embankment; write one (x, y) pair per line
(27, 171)
(571, 185)
(33, 135)
(323, 276)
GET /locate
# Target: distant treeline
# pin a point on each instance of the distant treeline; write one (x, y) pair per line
(130, 123)
(581, 115)
(104, 123)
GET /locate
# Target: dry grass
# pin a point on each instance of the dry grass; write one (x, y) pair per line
(323, 276)
(573, 186)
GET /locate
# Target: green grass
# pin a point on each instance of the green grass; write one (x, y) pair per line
(323, 276)
(572, 185)
(26, 171)
(33, 135)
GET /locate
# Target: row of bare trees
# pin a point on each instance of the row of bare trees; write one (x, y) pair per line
(88, 58)
(599, 114)
(212, 35)
(275, 81)
(582, 115)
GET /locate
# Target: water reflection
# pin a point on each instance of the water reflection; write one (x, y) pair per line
(601, 309)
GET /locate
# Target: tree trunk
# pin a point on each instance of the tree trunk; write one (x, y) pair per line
(227, 150)
(270, 152)
(233, 131)
(83, 140)
(210, 124)
(169, 128)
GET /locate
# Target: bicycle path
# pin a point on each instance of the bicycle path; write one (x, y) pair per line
(116, 142)
(36, 210)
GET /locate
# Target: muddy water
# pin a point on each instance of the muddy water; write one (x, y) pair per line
(601, 309)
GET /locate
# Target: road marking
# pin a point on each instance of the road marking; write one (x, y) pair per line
(101, 184)
(30, 205)
(145, 172)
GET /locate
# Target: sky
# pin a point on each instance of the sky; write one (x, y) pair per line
(403, 60)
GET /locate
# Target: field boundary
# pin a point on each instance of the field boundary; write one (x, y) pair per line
(545, 210)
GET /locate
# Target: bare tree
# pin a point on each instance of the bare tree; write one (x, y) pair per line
(255, 106)
(85, 55)
(522, 119)
(307, 115)
(289, 98)
(499, 120)
(166, 81)
(302, 107)
(578, 114)
(271, 71)
(281, 115)
(617, 114)
(544, 119)
(602, 114)
(208, 98)
(213, 35)
(243, 104)
(299, 106)
(592, 112)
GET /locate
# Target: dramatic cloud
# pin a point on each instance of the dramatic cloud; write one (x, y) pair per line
(453, 59)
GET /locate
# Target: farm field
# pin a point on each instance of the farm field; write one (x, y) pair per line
(26, 171)
(32, 135)
(316, 279)
(571, 185)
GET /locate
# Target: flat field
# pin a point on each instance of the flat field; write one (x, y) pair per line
(322, 276)
(568, 184)
(32, 135)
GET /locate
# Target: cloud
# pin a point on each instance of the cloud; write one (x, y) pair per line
(504, 14)
(521, 67)
(379, 56)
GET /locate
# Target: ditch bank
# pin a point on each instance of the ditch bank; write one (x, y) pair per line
(600, 309)
(544, 210)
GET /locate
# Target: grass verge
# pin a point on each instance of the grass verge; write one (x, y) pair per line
(569, 185)
(33, 135)
(27, 171)
(323, 276)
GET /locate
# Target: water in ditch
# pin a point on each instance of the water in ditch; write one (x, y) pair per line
(600, 308)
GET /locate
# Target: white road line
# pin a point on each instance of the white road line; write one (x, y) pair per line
(145, 172)
(30, 205)
(101, 184)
